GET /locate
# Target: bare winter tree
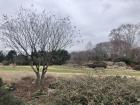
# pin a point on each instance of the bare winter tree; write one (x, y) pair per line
(101, 51)
(30, 32)
(124, 37)
(89, 51)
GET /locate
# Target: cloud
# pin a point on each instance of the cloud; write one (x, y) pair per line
(95, 18)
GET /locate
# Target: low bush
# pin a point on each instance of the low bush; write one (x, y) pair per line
(6, 98)
(95, 91)
(59, 57)
(136, 67)
(120, 64)
(5, 62)
(127, 61)
(1, 82)
(97, 64)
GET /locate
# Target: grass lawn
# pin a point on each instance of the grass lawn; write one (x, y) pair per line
(58, 69)
(72, 70)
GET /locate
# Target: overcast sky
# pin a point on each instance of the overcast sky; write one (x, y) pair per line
(94, 18)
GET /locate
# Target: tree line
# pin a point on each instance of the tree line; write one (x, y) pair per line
(58, 57)
(122, 46)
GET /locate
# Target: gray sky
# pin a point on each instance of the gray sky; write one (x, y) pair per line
(94, 18)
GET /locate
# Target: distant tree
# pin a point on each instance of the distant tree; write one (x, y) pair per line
(11, 56)
(126, 33)
(29, 32)
(101, 51)
(135, 54)
(124, 37)
(79, 57)
(2, 56)
(59, 57)
(22, 60)
(120, 48)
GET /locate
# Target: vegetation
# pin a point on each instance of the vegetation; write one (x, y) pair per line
(97, 64)
(126, 60)
(34, 34)
(39, 39)
(71, 70)
(6, 98)
(136, 67)
(11, 56)
(122, 46)
(59, 57)
(94, 91)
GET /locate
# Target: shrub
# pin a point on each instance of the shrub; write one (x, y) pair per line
(136, 67)
(120, 64)
(6, 98)
(22, 60)
(1, 82)
(5, 62)
(59, 57)
(97, 64)
(95, 91)
(128, 61)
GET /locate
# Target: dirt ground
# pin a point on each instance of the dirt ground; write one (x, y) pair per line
(26, 88)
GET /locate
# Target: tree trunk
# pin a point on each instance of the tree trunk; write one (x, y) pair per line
(42, 82)
(38, 79)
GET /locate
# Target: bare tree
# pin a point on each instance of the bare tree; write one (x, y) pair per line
(30, 32)
(79, 57)
(124, 37)
(101, 51)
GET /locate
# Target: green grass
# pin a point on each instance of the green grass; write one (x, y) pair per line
(68, 69)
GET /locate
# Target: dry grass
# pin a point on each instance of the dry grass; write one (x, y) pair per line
(10, 74)
(16, 76)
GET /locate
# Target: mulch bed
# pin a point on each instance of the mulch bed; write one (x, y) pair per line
(26, 87)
